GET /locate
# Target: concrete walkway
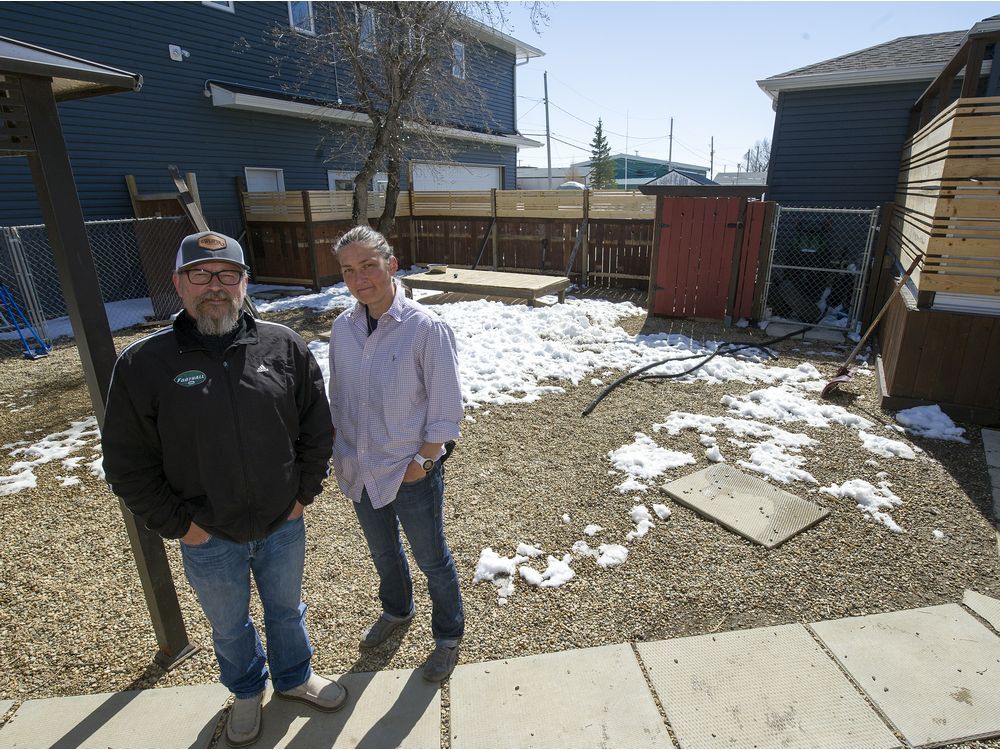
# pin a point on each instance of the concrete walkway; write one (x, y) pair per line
(918, 677)
(928, 676)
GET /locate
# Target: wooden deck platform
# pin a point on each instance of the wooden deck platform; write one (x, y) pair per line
(527, 286)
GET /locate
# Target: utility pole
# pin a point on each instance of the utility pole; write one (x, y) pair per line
(711, 157)
(548, 137)
(670, 153)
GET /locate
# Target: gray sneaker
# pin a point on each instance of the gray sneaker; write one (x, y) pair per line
(318, 692)
(243, 725)
(440, 664)
(380, 630)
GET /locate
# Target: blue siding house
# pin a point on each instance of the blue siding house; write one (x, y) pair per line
(840, 124)
(215, 103)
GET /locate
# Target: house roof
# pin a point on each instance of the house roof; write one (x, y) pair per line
(504, 41)
(695, 177)
(649, 160)
(72, 77)
(908, 58)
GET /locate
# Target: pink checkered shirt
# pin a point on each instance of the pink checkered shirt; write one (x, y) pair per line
(389, 393)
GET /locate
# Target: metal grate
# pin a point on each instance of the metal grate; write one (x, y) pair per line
(819, 262)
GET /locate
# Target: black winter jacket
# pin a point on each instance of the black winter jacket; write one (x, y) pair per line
(227, 439)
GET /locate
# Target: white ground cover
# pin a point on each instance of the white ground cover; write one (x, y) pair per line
(513, 354)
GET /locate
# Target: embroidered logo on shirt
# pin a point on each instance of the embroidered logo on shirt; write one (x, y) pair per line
(191, 378)
(262, 368)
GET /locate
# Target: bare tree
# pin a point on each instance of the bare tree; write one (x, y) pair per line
(401, 66)
(758, 156)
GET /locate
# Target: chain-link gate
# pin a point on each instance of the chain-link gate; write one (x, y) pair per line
(133, 257)
(818, 266)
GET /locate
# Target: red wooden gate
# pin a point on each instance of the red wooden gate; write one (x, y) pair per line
(706, 256)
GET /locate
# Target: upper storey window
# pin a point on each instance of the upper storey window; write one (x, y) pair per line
(300, 16)
(458, 60)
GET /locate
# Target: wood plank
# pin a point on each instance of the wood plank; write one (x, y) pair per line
(988, 391)
(496, 283)
(910, 353)
(987, 285)
(936, 347)
(972, 363)
(956, 336)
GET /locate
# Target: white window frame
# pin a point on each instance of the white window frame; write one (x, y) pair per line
(458, 60)
(377, 185)
(227, 6)
(311, 31)
(277, 170)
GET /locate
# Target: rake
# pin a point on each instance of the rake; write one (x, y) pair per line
(844, 373)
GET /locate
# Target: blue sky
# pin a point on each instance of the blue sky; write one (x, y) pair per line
(636, 64)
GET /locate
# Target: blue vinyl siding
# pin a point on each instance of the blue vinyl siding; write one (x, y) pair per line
(171, 120)
(840, 147)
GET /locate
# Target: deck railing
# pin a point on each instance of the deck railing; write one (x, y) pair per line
(948, 201)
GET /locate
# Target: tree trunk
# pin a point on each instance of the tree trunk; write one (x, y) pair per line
(388, 217)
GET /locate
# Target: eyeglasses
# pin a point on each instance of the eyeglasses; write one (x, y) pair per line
(201, 277)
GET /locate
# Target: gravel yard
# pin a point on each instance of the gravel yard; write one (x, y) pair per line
(73, 617)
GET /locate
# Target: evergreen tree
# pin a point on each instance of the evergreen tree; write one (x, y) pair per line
(602, 167)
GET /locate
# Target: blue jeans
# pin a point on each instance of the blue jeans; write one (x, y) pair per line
(219, 572)
(419, 508)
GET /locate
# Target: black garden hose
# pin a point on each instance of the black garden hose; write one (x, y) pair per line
(726, 347)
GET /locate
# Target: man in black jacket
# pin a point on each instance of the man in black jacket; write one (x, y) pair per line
(217, 432)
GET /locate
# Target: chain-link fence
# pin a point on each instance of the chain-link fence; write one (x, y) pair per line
(134, 259)
(819, 265)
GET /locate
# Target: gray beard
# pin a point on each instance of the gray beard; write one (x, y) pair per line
(209, 326)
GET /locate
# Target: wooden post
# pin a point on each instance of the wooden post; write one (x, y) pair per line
(496, 229)
(60, 206)
(241, 187)
(734, 273)
(654, 259)
(413, 215)
(973, 68)
(311, 241)
(585, 261)
(763, 260)
(878, 265)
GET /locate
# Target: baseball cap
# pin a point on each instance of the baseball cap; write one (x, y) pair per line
(208, 246)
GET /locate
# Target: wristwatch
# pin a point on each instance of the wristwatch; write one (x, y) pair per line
(425, 463)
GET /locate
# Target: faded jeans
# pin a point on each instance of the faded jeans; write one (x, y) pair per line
(219, 572)
(419, 508)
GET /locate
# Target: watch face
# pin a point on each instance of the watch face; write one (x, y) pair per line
(428, 465)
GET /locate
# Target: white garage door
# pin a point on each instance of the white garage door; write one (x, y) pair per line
(455, 177)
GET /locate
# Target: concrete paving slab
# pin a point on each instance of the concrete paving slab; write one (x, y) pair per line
(767, 687)
(165, 717)
(5, 707)
(592, 697)
(746, 505)
(995, 478)
(985, 606)
(991, 444)
(934, 671)
(397, 708)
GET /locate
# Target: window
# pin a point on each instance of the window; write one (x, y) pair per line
(458, 60)
(367, 28)
(342, 179)
(265, 180)
(300, 17)
(226, 5)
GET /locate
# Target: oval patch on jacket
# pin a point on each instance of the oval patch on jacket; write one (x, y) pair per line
(191, 378)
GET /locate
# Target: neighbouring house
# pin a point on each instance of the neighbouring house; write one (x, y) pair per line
(840, 124)
(215, 103)
(537, 178)
(681, 178)
(911, 125)
(740, 178)
(633, 171)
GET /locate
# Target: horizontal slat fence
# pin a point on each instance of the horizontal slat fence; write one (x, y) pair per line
(948, 200)
(528, 231)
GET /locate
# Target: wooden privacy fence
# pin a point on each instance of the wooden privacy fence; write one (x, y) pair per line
(710, 254)
(948, 201)
(597, 238)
